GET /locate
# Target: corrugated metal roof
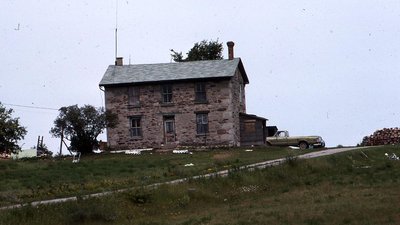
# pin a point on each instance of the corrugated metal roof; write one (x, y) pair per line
(143, 73)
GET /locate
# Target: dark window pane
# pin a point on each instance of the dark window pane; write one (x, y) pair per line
(134, 96)
(200, 92)
(169, 126)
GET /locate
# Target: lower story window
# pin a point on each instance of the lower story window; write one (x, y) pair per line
(202, 123)
(136, 128)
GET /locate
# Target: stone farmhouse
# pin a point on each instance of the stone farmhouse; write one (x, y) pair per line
(166, 105)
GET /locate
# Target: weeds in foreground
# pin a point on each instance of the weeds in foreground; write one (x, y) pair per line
(291, 160)
(348, 188)
(92, 210)
(40, 179)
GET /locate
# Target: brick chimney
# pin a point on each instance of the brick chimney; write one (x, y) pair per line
(119, 61)
(230, 49)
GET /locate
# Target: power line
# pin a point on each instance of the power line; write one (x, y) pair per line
(32, 107)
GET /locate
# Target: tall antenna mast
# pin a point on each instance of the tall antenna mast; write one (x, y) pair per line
(116, 29)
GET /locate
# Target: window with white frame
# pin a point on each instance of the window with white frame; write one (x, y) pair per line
(202, 123)
(166, 93)
(135, 126)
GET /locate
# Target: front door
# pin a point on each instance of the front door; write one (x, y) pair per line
(169, 129)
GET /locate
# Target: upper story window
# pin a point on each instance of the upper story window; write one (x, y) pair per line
(166, 93)
(135, 126)
(200, 92)
(134, 96)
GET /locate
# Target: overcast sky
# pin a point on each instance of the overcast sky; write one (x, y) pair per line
(329, 67)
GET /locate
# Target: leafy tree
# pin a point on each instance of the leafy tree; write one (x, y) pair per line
(205, 50)
(81, 126)
(10, 131)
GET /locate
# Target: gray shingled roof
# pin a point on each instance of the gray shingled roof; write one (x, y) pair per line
(144, 73)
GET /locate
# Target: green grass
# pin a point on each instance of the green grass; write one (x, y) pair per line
(348, 188)
(38, 179)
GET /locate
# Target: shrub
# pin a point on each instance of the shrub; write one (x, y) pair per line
(139, 196)
(93, 209)
(291, 160)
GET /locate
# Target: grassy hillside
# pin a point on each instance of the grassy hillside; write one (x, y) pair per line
(38, 179)
(349, 188)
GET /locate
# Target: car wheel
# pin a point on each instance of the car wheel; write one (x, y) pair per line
(303, 145)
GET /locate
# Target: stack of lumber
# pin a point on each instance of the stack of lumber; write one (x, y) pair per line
(386, 136)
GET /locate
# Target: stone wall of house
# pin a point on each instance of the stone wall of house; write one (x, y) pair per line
(238, 103)
(223, 109)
